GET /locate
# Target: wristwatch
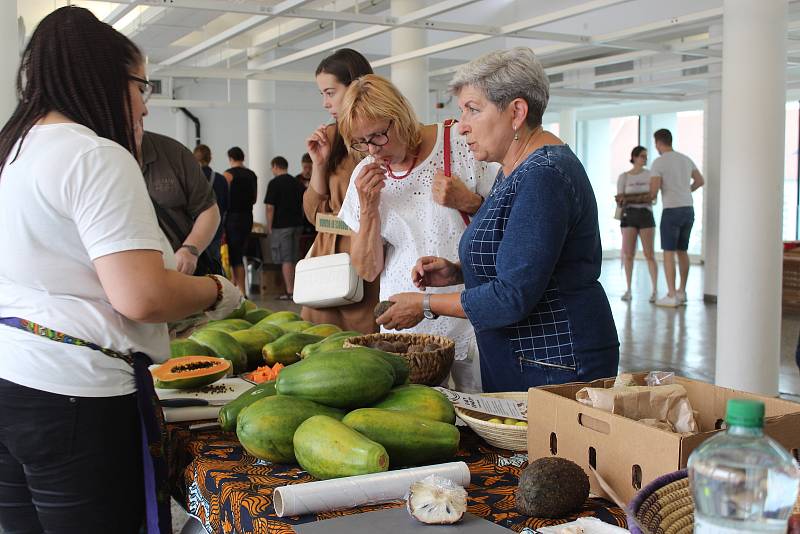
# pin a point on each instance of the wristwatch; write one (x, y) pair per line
(192, 249)
(426, 307)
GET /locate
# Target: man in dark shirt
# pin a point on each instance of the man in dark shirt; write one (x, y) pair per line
(306, 166)
(285, 218)
(202, 153)
(243, 184)
(184, 201)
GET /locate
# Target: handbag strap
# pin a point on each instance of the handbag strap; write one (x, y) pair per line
(156, 489)
(447, 125)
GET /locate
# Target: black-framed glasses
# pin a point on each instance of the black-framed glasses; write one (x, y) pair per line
(146, 88)
(378, 139)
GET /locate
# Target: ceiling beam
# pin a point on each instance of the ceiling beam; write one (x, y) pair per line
(120, 11)
(237, 29)
(636, 72)
(503, 30)
(430, 11)
(232, 74)
(616, 95)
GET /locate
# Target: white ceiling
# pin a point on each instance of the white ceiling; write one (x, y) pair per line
(596, 51)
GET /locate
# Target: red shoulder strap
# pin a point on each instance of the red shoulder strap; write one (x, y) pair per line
(447, 125)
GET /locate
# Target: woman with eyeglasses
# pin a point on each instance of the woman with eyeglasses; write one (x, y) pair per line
(86, 292)
(330, 176)
(401, 205)
(633, 194)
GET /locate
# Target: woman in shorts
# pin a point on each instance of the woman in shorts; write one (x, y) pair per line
(633, 194)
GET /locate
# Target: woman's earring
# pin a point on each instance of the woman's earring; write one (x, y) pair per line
(516, 135)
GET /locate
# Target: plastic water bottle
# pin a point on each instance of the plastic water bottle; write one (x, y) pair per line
(741, 480)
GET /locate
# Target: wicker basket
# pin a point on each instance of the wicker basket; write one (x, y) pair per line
(509, 437)
(663, 506)
(428, 368)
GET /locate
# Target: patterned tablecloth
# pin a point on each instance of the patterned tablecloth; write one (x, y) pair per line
(231, 491)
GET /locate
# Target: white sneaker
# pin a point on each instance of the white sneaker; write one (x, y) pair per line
(668, 302)
(652, 297)
(626, 296)
(681, 295)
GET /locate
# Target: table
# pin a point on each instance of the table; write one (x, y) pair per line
(229, 490)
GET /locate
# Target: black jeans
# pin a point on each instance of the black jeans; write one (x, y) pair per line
(69, 465)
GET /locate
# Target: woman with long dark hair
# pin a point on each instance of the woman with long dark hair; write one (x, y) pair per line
(330, 176)
(85, 292)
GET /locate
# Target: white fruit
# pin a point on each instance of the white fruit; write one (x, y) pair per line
(437, 501)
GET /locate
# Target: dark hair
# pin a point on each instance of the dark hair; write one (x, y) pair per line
(279, 162)
(236, 154)
(636, 151)
(80, 67)
(345, 65)
(663, 136)
(205, 153)
(306, 158)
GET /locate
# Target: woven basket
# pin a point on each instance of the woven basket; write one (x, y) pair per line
(663, 506)
(509, 437)
(428, 368)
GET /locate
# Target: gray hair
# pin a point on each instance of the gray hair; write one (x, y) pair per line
(504, 75)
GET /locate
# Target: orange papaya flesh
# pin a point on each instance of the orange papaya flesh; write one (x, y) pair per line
(189, 372)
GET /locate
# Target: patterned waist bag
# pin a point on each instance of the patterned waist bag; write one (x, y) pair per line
(151, 422)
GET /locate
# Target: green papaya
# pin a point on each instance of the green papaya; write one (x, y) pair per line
(323, 330)
(419, 400)
(267, 426)
(297, 326)
(239, 312)
(282, 317)
(254, 316)
(187, 347)
(228, 325)
(409, 439)
(252, 341)
(332, 342)
(188, 372)
(326, 449)
(270, 328)
(345, 378)
(286, 349)
(402, 370)
(230, 412)
(223, 346)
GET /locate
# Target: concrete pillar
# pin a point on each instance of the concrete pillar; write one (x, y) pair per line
(711, 194)
(9, 59)
(260, 128)
(753, 116)
(411, 77)
(567, 127)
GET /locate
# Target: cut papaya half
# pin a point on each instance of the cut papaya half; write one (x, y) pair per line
(189, 372)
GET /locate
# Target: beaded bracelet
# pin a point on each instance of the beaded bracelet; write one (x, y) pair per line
(219, 293)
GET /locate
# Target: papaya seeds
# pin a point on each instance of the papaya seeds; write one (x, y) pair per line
(381, 308)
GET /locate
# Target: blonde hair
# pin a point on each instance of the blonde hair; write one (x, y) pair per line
(372, 98)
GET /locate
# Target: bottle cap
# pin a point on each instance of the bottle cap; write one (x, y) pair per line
(745, 412)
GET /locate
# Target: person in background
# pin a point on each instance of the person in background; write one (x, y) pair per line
(330, 176)
(530, 259)
(401, 206)
(633, 194)
(306, 167)
(202, 153)
(677, 177)
(243, 188)
(90, 266)
(284, 202)
(184, 200)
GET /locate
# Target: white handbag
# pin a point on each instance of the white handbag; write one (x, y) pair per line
(327, 281)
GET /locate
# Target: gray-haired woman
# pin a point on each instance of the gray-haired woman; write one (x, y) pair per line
(530, 259)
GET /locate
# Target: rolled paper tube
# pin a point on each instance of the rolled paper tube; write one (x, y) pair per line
(349, 492)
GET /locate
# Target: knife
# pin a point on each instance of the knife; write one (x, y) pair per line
(186, 402)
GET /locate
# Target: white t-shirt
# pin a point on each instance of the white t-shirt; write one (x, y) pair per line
(71, 197)
(413, 225)
(675, 170)
(635, 184)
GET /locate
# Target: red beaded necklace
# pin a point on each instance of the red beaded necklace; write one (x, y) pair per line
(400, 177)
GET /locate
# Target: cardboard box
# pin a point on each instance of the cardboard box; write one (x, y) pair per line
(628, 454)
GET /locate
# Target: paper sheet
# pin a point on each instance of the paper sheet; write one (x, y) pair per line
(349, 492)
(489, 405)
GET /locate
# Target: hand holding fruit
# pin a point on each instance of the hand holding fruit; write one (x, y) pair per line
(404, 313)
(231, 299)
(432, 271)
(369, 183)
